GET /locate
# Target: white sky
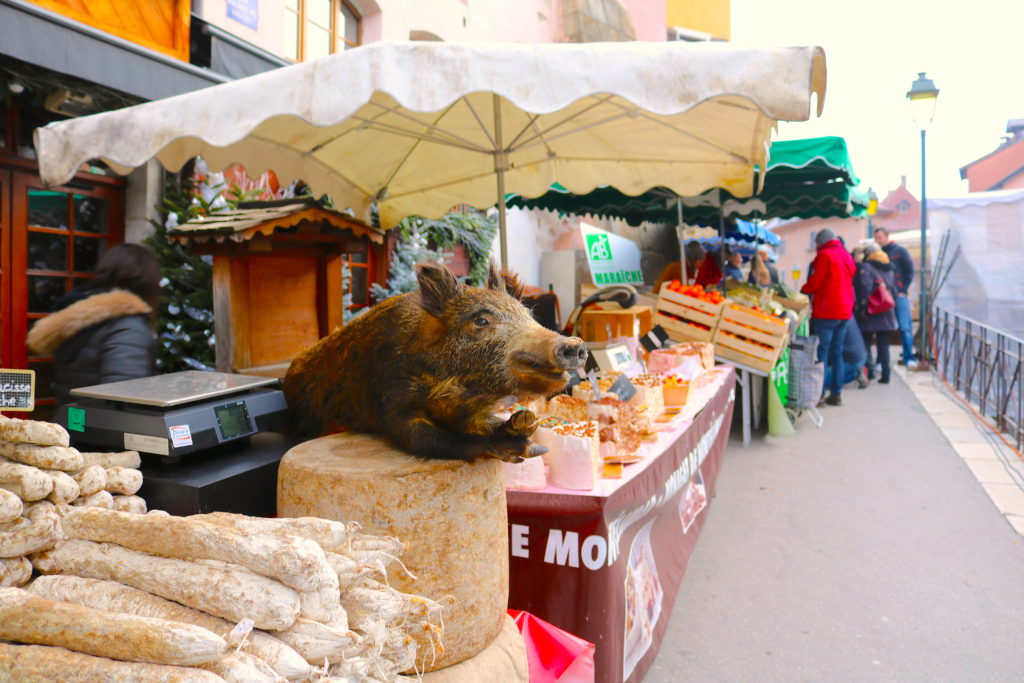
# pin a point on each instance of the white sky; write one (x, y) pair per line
(874, 49)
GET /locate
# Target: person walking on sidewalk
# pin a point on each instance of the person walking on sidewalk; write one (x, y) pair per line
(903, 270)
(830, 285)
(875, 279)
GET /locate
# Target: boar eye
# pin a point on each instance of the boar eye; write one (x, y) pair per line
(481, 321)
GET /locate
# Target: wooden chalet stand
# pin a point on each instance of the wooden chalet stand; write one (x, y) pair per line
(277, 277)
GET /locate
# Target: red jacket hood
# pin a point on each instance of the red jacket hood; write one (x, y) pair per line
(831, 282)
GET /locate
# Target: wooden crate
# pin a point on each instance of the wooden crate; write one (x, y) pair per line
(690, 310)
(740, 333)
(601, 324)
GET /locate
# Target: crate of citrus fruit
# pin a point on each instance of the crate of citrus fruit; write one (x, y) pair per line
(750, 336)
(688, 312)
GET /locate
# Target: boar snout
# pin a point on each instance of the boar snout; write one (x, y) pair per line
(571, 354)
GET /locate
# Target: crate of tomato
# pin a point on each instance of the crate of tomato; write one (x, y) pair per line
(687, 312)
(750, 336)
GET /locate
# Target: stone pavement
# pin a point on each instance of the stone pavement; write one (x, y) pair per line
(866, 550)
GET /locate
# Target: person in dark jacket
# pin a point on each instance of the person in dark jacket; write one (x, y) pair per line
(102, 332)
(903, 270)
(830, 283)
(876, 269)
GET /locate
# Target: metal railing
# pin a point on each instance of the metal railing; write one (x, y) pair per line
(985, 366)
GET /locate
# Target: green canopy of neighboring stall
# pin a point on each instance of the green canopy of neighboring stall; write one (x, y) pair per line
(806, 178)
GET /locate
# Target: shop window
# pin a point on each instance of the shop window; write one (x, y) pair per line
(317, 28)
(359, 278)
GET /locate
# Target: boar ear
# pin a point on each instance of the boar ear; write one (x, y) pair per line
(437, 287)
(504, 281)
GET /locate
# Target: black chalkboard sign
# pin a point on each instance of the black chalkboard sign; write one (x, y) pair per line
(17, 389)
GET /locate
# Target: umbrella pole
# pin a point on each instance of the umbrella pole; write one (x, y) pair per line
(500, 166)
(682, 238)
(721, 247)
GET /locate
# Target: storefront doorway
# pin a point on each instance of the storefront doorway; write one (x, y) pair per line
(50, 241)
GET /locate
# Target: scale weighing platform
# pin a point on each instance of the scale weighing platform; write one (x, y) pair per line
(208, 439)
(175, 414)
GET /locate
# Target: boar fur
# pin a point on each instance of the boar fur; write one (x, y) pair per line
(427, 370)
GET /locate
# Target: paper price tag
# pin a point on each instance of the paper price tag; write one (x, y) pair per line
(592, 376)
(622, 388)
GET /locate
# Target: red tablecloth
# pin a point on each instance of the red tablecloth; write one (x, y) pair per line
(606, 565)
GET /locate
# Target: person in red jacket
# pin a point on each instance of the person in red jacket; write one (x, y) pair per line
(830, 285)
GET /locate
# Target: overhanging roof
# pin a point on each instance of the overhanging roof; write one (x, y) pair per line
(47, 39)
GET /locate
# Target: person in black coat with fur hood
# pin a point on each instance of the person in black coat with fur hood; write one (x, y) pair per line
(103, 331)
(876, 327)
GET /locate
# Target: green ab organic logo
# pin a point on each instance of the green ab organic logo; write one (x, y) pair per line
(599, 248)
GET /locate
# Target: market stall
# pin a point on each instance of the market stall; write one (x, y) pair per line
(606, 564)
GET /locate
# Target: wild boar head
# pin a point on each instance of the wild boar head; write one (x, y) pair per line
(487, 338)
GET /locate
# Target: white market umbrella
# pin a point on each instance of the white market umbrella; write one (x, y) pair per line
(417, 128)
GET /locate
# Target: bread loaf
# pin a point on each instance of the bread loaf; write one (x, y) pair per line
(65, 489)
(233, 593)
(116, 597)
(123, 459)
(39, 531)
(15, 571)
(91, 478)
(10, 506)
(33, 431)
(123, 480)
(295, 562)
(100, 499)
(28, 483)
(28, 618)
(132, 504)
(41, 664)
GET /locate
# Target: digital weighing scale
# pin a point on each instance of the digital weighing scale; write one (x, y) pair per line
(175, 414)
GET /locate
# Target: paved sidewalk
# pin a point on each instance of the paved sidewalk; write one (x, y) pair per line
(862, 551)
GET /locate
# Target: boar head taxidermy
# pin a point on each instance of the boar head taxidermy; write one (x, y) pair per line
(427, 370)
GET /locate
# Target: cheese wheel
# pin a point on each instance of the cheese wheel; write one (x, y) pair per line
(451, 513)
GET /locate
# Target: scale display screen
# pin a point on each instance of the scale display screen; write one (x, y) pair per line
(233, 419)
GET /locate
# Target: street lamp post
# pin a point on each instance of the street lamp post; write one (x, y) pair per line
(923, 95)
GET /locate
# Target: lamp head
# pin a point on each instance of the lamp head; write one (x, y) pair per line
(923, 95)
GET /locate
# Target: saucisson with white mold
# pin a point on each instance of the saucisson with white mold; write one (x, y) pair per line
(41, 530)
(10, 506)
(28, 483)
(100, 500)
(91, 478)
(122, 459)
(116, 597)
(28, 618)
(239, 667)
(43, 457)
(132, 504)
(317, 642)
(295, 562)
(332, 536)
(43, 664)
(33, 431)
(65, 489)
(15, 571)
(233, 593)
(123, 480)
